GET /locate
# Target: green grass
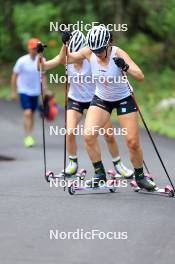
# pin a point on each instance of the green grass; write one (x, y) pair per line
(5, 92)
(156, 87)
(59, 94)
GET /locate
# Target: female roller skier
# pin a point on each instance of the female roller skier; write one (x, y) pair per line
(79, 98)
(103, 60)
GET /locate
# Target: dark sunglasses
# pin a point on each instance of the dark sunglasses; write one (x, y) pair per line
(98, 50)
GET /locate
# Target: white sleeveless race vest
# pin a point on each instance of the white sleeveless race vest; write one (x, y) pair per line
(110, 84)
(81, 87)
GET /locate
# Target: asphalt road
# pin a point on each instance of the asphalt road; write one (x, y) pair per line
(30, 209)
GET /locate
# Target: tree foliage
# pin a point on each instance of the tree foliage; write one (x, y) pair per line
(151, 25)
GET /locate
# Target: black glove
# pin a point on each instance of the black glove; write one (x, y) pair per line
(121, 63)
(40, 47)
(66, 35)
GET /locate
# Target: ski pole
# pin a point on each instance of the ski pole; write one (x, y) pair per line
(43, 121)
(153, 143)
(131, 92)
(40, 48)
(65, 109)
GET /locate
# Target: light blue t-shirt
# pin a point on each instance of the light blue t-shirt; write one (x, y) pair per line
(28, 80)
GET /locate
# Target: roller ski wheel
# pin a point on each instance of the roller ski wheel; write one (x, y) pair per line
(169, 191)
(81, 174)
(49, 175)
(112, 185)
(71, 189)
(115, 175)
(134, 186)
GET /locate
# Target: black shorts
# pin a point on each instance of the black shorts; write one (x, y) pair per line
(77, 106)
(124, 106)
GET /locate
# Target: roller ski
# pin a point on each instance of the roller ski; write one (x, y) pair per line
(98, 182)
(146, 184)
(70, 172)
(51, 176)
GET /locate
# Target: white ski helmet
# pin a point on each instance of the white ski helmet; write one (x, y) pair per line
(77, 41)
(97, 37)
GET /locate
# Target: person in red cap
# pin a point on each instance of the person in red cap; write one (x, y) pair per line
(25, 81)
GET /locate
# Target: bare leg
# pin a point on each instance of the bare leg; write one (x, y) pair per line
(110, 140)
(114, 151)
(32, 120)
(73, 118)
(129, 121)
(95, 119)
(28, 117)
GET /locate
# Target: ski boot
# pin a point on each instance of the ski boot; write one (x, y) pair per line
(145, 182)
(71, 169)
(123, 171)
(96, 179)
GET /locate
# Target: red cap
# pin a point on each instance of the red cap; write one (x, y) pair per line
(31, 44)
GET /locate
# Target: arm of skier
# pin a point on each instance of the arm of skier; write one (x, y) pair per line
(133, 69)
(73, 57)
(13, 86)
(47, 65)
